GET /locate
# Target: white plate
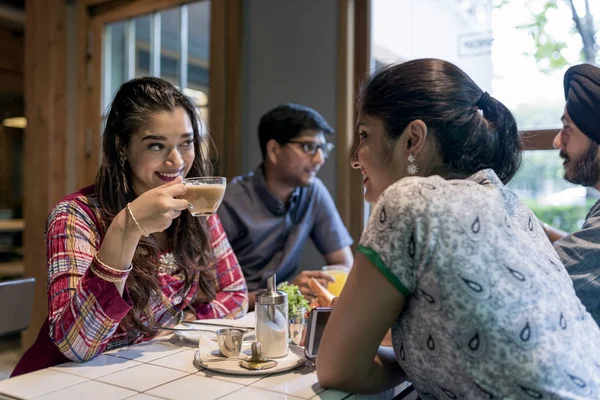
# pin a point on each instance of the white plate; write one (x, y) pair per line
(208, 357)
(194, 336)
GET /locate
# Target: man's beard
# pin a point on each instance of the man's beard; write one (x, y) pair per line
(583, 170)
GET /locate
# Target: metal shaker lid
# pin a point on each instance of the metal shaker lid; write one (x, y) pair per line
(271, 295)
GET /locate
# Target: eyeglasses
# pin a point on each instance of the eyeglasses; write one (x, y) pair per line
(311, 148)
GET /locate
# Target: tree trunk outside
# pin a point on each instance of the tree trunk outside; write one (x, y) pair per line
(586, 30)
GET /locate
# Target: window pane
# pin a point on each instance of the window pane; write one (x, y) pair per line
(516, 51)
(198, 56)
(541, 185)
(198, 34)
(199, 45)
(114, 60)
(142, 45)
(169, 43)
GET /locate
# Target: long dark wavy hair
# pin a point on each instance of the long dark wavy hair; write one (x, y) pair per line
(134, 104)
(448, 101)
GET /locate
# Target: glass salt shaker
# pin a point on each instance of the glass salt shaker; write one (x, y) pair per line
(272, 320)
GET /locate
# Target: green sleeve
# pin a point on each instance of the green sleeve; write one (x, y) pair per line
(380, 265)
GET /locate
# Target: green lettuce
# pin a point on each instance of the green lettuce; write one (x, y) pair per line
(296, 301)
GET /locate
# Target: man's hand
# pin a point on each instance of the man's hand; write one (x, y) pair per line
(302, 281)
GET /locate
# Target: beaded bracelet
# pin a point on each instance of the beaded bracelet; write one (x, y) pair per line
(139, 228)
(108, 273)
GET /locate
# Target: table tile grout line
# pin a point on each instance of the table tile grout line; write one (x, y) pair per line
(53, 390)
(176, 369)
(291, 394)
(10, 396)
(164, 366)
(144, 391)
(100, 376)
(89, 380)
(182, 349)
(237, 390)
(151, 395)
(120, 387)
(266, 390)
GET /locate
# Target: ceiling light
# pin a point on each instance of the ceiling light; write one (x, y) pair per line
(16, 122)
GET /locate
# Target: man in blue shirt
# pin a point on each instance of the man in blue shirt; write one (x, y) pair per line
(269, 214)
(578, 142)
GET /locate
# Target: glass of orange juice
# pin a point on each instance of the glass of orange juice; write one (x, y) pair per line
(340, 274)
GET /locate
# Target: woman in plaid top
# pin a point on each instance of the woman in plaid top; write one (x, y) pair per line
(124, 258)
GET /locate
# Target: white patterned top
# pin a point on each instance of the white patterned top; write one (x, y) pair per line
(491, 312)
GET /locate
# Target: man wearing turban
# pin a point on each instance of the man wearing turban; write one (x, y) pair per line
(578, 144)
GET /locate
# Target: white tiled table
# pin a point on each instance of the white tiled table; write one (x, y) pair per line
(164, 369)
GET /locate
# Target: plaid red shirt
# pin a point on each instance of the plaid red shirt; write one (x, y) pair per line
(84, 311)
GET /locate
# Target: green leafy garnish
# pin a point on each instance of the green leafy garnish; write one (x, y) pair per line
(296, 301)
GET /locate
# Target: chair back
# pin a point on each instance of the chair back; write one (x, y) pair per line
(16, 304)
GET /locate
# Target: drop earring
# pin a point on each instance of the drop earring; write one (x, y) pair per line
(411, 168)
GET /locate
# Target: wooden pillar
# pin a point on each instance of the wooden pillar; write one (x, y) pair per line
(45, 139)
(225, 100)
(353, 67)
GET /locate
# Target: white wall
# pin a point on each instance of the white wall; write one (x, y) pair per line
(290, 55)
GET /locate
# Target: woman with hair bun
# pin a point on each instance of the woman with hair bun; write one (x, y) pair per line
(479, 303)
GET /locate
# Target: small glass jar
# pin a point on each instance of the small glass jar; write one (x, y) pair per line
(272, 320)
(298, 323)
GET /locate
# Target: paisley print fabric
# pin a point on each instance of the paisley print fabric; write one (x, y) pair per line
(491, 312)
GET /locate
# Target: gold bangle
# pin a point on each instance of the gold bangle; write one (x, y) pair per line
(107, 277)
(112, 270)
(139, 228)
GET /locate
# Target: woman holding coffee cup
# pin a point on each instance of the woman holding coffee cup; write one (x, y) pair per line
(125, 257)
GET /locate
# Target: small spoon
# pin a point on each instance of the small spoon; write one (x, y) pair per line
(257, 361)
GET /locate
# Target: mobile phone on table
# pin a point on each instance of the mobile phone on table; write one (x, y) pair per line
(316, 326)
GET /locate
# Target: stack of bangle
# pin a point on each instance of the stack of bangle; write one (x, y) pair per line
(107, 273)
(139, 228)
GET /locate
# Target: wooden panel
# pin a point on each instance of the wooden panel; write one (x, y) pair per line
(539, 139)
(45, 138)
(353, 67)
(12, 225)
(11, 82)
(233, 95)
(89, 74)
(12, 268)
(11, 67)
(121, 9)
(217, 83)
(6, 169)
(225, 74)
(11, 17)
(85, 165)
(92, 2)
(345, 104)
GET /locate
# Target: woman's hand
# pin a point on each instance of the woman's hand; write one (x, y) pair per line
(156, 209)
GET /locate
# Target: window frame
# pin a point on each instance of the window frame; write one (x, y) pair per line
(354, 60)
(225, 74)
